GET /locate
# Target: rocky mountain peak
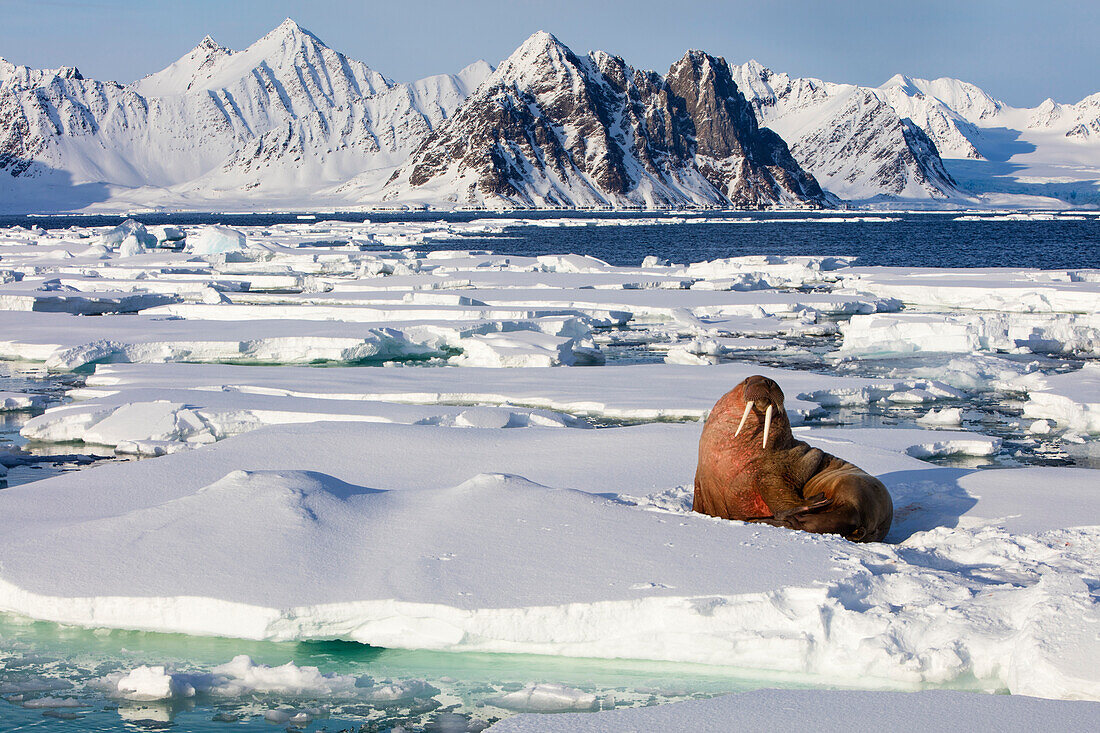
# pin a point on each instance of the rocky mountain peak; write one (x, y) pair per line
(541, 61)
(539, 43)
(752, 66)
(553, 128)
(25, 76)
(723, 118)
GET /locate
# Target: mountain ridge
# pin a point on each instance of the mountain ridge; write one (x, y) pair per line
(550, 128)
(289, 121)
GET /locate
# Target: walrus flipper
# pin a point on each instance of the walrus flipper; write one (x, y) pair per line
(814, 504)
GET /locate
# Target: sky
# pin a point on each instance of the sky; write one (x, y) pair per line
(1020, 51)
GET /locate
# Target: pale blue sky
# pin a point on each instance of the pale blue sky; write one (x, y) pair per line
(1018, 50)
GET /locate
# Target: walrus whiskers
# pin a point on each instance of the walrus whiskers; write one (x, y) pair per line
(767, 425)
(748, 409)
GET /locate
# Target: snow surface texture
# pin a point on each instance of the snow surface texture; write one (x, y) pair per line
(350, 525)
(957, 712)
(471, 507)
(291, 123)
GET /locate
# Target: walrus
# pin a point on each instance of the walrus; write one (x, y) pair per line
(751, 468)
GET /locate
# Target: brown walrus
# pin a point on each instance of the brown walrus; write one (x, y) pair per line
(751, 468)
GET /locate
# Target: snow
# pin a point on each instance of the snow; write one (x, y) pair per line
(853, 140)
(1070, 400)
(349, 523)
(832, 712)
(239, 677)
(510, 483)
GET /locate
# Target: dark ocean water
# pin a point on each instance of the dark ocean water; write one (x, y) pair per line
(904, 240)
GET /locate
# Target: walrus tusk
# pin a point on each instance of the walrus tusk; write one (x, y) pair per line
(748, 409)
(767, 425)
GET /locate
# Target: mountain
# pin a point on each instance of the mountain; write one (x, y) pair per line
(550, 128)
(850, 138)
(274, 124)
(942, 140)
(1047, 155)
(290, 123)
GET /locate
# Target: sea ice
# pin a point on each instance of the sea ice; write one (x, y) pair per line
(237, 678)
(131, 230)
(398, 507)
(147, 405)
(1071, 399)
(382, 552)
(545, 697)
(214, 240)
(12, 401)
(946, 417)
(832, 711)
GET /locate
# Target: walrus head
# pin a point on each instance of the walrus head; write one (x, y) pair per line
(757, 403)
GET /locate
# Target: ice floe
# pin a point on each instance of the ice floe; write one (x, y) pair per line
(1071, 399)
(189, 404)
(396, 553)
(485, 493)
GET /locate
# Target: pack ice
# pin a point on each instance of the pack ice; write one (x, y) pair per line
(461, 500)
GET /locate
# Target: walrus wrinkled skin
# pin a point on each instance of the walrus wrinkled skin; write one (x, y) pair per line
(751, 468)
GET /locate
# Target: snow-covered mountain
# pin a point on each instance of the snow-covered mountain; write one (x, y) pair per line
(291, 123)
(279, 122)
(1044, 155)
(939, 140)
(550, 128)
(851, 138)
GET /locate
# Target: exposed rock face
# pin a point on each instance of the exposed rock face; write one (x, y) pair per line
(550, 128)
(750, 164)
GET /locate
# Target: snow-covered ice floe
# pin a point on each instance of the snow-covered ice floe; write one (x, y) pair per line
(1071, 399)
(569, 542)
(485, 494)
(181, 405)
